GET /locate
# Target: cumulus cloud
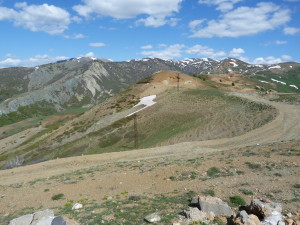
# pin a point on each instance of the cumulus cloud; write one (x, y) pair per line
(32, 61)
(236, 52)
(90, 55)
(167, 52)
(178, 50)
(291, 30)
(244, 21)
(74, 36)
(97, 44)
(205, 51)
(46, 18)
(147, 47)
(272, 59)
(157, 11)
(222, 5)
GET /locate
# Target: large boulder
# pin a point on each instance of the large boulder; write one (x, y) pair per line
(263, 209)
(243, 218)
(45, 217)
(215, 205)
(194, 215)
(152, 218)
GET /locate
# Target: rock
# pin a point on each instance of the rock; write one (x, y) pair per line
(152, 218)
(195, 201)
(194, 214)
(289, 215)
(263, 209)
(77, 206)
(59, 221)
(244, 218)
(23, 220)
(43, 217)
(215, 205)
(289, 222)
(281, 223)
(274, 219)
(210, 216)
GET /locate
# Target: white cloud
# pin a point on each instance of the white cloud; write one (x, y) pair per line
(32, 61)
(74, 36)
(168, 52)
(90, 55)
(244, 21)
(222, 5)
(272, 59)
(97, 44)
(46, 18)
(156, 11)
(147, 47)
(193, 25)
(205, 51)
(280, 42)
(291, 30)
(236, 52)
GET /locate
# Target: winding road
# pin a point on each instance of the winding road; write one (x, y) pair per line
(286, 126)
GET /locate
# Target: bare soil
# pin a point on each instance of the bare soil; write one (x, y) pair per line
(264, 160)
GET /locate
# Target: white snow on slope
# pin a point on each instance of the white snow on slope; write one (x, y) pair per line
(234, 64)
(263, 81)
(275, 67)
(146, 101)
(294, 86)
(278, 81)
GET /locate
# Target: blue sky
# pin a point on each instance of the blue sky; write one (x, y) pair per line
(39, 32)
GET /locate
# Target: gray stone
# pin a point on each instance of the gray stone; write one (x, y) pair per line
(273, 219)
(23, 220)
(59, 221)
(195, 201)
(152, 218)
(194, 214)
(263, 209)
(43, 217)
(215, 205)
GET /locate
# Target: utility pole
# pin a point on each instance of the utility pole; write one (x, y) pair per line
(178, 78)
(136, 144)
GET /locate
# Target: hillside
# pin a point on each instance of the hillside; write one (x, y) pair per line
(201, 110)
(84, 82)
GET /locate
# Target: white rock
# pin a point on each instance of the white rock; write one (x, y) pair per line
(77, 206)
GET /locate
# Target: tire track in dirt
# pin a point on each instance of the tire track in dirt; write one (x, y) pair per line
(286, 126)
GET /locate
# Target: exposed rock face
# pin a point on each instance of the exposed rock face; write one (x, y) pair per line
(215, 205)
(45, 217)
(194, 214)
(263, 209)
(244, 218)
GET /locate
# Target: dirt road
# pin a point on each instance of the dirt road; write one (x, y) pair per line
(286, 126)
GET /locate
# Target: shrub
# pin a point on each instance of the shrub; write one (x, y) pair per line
(237, 200)
(253, 165)
(296, 185)
(57, 197)
(213, 171)
(209, 192)
(246, 191)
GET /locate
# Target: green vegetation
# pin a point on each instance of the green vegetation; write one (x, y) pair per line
(253, 165)
(213, 172)
(57, 197)
(246, 191)
(209, 192)
(237, 201)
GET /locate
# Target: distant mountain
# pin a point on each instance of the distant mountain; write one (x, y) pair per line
(86, 81)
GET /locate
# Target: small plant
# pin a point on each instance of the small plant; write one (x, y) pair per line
(296, 185)
(46, 190)
(57, 197)
(237, 200)
(209, 192)
(213, 171)
(239, 172)
(246, 191)
(278, 174)
(124, 192)
(253, 165)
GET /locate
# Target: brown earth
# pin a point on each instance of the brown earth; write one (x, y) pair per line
(181, 167)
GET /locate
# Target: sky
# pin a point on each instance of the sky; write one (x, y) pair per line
(44, 31)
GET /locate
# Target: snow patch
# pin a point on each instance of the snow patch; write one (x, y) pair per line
(275, 67)
(36, 68)
(278, 81)
(146, 101)
(234, 64)
(291, 66)
(205, 59)
(294, 86)
(263, 81)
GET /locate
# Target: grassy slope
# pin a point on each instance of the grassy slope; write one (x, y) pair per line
(189, 115)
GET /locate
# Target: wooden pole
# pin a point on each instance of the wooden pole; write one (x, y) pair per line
(136, 144)
(178, 78)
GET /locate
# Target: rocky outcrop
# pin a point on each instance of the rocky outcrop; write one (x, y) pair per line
(45, 217)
